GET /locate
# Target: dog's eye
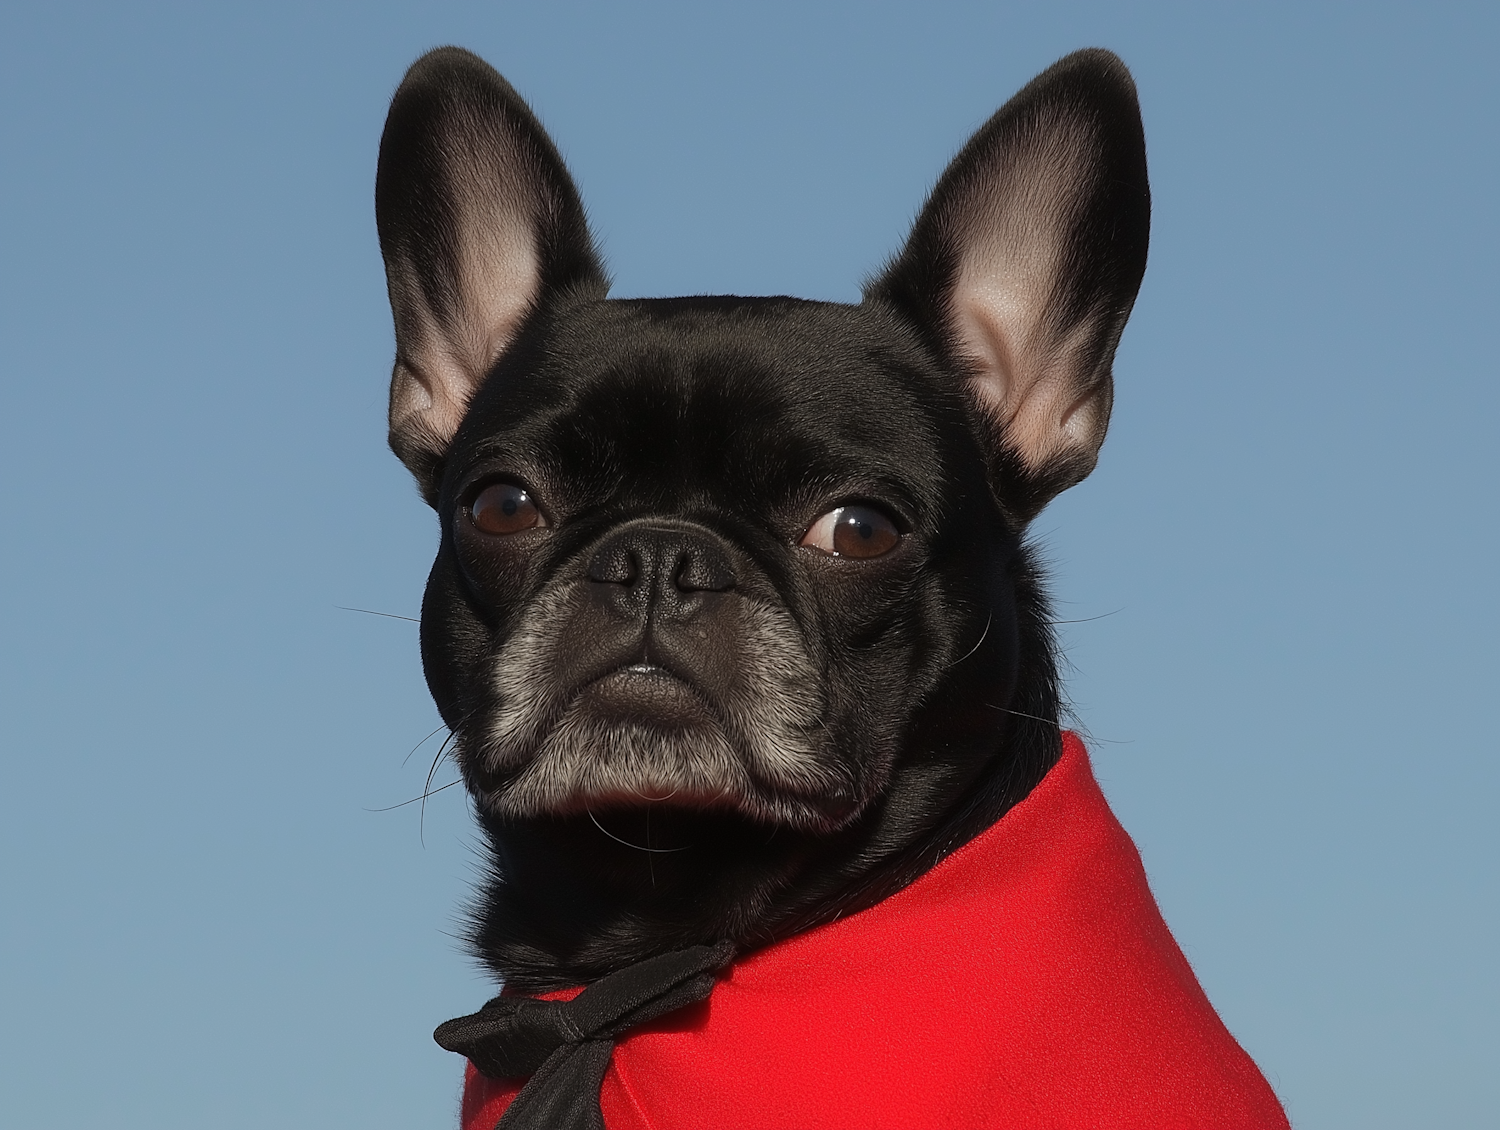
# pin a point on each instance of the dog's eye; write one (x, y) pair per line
(852, 531)
(504, 508)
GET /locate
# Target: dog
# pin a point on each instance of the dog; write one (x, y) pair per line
(733, 619)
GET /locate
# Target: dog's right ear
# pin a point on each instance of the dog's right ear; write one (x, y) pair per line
(479, 224)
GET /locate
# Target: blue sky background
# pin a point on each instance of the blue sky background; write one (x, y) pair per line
(1291, 537)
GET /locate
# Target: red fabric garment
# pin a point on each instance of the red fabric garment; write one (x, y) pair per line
(1026, 981)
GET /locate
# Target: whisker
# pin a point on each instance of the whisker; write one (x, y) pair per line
(421, 743)
(627, 843)
(1020, 713)
(669, 796)
(422, 821)
(415, 799)
(1089, 619)
(368, 612)
(988, 620)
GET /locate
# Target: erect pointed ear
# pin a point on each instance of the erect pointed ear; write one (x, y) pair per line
(1025, 262)
(479, 224)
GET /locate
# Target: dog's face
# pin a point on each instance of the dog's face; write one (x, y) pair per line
(751, 565)
(710, 554)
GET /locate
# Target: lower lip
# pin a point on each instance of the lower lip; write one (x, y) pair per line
(647, 694)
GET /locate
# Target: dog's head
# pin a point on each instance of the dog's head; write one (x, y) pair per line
(749, 564)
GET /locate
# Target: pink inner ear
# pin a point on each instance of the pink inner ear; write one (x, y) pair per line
(1016, 376)
(497, 276)
(1010, 229)
(1027, 379)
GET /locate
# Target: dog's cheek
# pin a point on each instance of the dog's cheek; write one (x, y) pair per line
(875, 635)
(499, 570)
(456, 644)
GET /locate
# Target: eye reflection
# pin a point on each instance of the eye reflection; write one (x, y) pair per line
(504, 508)
(853, 531)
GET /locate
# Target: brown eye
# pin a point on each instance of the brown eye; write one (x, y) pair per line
(504, 508)
(852, 531)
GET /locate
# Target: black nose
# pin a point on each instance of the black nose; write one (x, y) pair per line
(645, 570)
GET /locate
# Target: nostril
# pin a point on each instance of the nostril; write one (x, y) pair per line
(703, 570)
(615, 564)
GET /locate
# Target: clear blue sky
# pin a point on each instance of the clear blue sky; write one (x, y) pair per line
(1291, 537)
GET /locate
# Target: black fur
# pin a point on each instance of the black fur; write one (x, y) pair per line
(828, 727)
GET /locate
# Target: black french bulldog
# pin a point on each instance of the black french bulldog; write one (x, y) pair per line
(733, 619)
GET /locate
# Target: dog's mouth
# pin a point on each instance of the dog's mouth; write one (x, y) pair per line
(645, 693)
(641, 736)
(638, 735)
(589, 716)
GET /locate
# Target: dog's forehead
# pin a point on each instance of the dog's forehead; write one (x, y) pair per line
(722, 387)
(782, 352)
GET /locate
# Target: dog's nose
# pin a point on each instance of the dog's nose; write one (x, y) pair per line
(645, 570)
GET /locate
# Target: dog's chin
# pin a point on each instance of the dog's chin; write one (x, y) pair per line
(642, 737)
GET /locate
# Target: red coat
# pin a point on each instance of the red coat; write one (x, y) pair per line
(1026, 981)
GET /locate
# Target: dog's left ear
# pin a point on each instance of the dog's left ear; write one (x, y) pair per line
(1023, 266)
